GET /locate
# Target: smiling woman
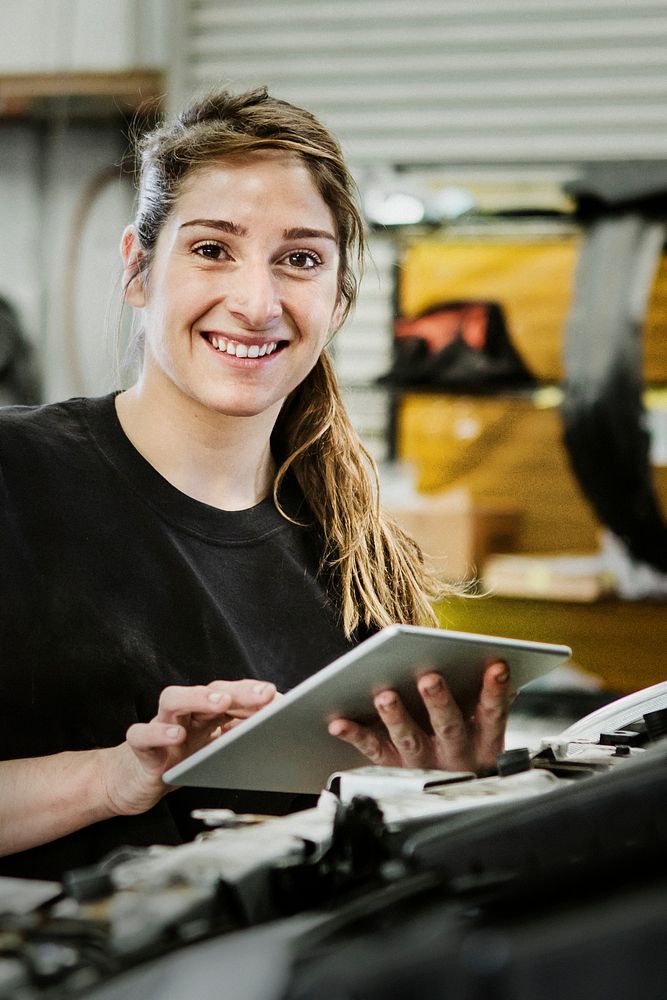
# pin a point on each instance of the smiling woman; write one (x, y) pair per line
(213, 533)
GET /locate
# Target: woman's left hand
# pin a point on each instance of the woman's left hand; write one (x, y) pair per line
(457, 743)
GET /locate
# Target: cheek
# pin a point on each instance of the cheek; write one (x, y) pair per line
(319, 313)
(175, 309)
(319, 332)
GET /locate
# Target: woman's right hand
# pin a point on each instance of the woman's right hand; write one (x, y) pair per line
(45, 798)
(187, 719)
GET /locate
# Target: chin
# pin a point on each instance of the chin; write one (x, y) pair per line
(237, 407)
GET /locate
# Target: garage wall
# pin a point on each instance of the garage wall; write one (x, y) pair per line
(62, 278)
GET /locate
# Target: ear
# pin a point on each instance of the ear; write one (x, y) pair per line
(133, 275)
(337, 316)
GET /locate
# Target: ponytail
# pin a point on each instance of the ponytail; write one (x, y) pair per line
(376, 571)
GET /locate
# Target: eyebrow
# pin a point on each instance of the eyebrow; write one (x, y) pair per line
(225, 226)
(304, 233)
(220, 224)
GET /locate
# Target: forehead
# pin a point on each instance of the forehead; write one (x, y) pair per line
(271, 185)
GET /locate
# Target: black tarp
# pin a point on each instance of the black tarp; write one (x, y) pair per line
(623, 209)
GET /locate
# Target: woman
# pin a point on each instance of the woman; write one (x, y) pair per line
(209, 536)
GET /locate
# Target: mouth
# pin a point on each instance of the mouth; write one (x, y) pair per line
(244, 349)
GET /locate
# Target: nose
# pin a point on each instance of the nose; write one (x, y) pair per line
(253, 296)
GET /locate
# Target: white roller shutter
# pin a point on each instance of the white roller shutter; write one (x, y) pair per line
(450, 80)
(363, 348)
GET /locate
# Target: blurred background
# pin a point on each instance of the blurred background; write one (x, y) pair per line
(507, 361)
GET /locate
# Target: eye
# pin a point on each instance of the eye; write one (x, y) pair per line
(303, 260)
(210, 250)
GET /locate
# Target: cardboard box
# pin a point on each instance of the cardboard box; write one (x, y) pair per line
(455, 533)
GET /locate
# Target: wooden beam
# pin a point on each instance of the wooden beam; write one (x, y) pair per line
(31, 94)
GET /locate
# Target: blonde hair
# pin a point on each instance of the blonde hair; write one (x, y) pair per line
(374, 572)
(377, 571)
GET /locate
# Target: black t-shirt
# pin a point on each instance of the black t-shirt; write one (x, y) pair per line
(114, 584)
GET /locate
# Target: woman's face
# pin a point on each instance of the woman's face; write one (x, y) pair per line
(242, 291)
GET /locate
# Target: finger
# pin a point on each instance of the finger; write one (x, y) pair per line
(450, 732)
(176, 702)
(204, 700)
(152, 740)
(231, 724)
(246, 696)
(225, 727)
(367, 742)
(412, 743)
(491, 714)
(148, 735)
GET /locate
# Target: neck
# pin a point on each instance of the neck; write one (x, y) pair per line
(221, 460)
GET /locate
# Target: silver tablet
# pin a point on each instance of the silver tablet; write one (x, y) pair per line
(285, 747)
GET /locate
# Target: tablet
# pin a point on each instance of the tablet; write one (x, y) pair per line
(285, 747)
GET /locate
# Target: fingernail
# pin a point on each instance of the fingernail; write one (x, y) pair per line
(215, 697)
(433, 687)
(503, 675)
(260, 689)
(173, 732)
(386, 701)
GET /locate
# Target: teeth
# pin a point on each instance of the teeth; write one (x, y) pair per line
(242, 350)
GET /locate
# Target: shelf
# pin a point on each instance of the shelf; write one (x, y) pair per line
(622, 642)
(80, 95)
